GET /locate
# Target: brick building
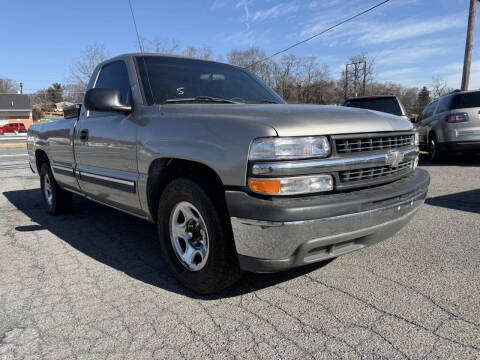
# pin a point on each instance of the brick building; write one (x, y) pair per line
(15, 108)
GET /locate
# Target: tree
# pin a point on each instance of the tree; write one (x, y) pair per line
(423, 99)
(81, 70)
(55, 93)
(8, 85)
(160, 46)
(249, 59)
(439, 88)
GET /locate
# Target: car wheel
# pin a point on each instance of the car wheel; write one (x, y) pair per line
(434, 152)
(56, 200)
(195, 236)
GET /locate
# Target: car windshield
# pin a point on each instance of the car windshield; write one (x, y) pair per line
(466, 100)
(174, 79)
(385, 104)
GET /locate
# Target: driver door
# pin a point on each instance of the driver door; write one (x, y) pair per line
(105, 147)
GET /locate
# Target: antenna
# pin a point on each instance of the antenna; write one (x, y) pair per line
(141, 49)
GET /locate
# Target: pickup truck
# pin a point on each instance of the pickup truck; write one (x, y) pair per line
(234, 178)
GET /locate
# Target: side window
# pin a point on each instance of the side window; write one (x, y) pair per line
(115, 76)
(444, 104)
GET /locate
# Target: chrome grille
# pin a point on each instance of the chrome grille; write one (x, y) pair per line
(349, 145)
(347, 176)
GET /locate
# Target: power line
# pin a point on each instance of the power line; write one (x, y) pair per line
(321, 33)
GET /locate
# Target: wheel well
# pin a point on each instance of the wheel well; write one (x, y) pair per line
(40, 158)
(163, 171)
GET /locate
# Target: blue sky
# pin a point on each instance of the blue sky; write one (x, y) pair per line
(413, 41)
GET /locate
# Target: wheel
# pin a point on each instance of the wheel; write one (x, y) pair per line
(56, 200)
(434, 152)
(195, 236)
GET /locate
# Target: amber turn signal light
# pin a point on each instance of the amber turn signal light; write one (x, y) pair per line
(265, 186)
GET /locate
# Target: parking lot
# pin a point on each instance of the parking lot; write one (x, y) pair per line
(92, 285)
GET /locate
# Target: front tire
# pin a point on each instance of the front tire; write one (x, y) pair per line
(195, 236)
(55, 200)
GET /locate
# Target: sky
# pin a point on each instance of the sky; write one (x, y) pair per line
(413, 42)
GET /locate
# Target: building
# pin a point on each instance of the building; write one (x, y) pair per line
(15, 108)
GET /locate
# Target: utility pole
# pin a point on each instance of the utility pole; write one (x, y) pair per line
(468, 45)
(346, 81)
(356, 80)
(21, 88)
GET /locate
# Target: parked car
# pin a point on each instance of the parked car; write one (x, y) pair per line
(234, 178)
(450, 124)
(385, 103)
(13, 128)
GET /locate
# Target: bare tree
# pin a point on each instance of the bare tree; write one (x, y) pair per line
(160, 45)
(82, 68)
(250, 59)
(439, 88)
(8, 85)
(203, 52)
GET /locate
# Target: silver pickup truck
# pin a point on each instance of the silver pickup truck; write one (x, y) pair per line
(234, 178)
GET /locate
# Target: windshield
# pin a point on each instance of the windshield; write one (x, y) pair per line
(386, 104)
(177, 78)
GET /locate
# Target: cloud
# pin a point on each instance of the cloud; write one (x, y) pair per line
(452, 74)
(275, 11)
(378, 31)
(390, 31)
(246, 19)
(396, 74)
(218, 4)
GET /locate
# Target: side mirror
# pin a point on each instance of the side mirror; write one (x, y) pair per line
(99, 99)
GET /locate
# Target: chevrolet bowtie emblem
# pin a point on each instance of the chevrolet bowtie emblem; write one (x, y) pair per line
(394, 158)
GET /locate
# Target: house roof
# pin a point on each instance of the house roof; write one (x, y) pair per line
(14, 102)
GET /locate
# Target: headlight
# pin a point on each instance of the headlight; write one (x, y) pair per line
(416, 139)
(283, 148)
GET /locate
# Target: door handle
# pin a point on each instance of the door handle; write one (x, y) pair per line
(84, 135)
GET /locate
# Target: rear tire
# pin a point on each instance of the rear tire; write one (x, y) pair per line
(55, 200)
(434, 152)
(195, 236)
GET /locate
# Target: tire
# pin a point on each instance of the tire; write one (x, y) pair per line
(55, 200)
(434, 152)
(191, 214)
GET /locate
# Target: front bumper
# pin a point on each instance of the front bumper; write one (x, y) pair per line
(277, 234)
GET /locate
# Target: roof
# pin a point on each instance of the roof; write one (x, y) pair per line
(137, 54)
(14, 102)
(371, 97)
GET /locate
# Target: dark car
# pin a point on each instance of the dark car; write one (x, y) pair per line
(13, 128)
(385, 103)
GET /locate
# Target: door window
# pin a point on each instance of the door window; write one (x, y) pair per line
(115, 76)
(445, 104)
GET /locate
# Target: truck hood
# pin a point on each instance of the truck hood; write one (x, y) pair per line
(297, 120)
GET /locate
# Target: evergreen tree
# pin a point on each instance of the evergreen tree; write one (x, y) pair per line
(55, 93)
(423, 99)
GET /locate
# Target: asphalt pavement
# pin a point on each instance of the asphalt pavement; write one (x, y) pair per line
(92, 285)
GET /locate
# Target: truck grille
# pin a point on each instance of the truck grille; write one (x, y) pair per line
(348, 176)
(350, 145)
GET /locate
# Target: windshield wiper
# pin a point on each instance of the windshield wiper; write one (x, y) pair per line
(263, 102)
(201, 99)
